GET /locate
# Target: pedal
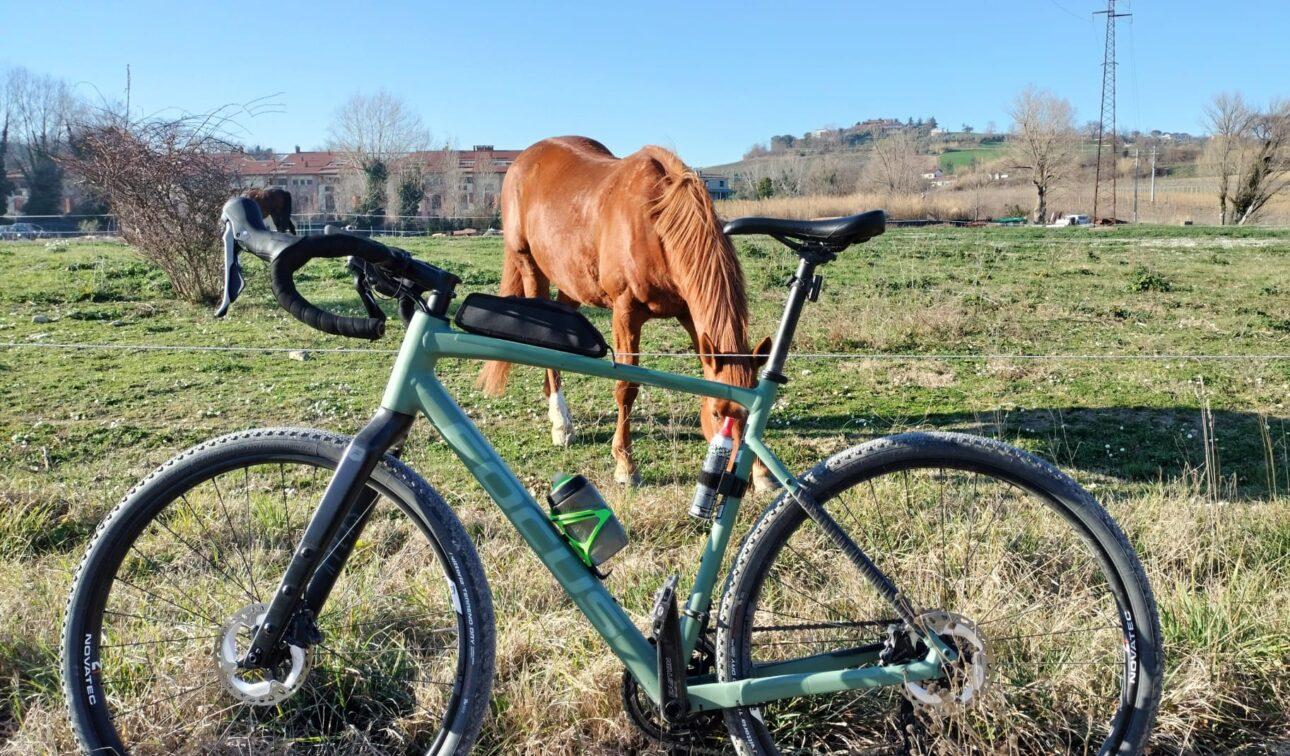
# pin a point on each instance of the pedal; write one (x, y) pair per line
(674, 704)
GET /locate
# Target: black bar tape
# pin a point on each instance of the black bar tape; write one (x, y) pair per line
(284, 266)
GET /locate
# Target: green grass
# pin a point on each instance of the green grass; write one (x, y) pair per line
(954, 161)
(933, 320)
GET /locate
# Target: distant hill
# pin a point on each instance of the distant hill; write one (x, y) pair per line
(832, 158)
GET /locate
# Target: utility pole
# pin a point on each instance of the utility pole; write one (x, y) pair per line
(1136, 152)
(1104, 187)
(1153, 174)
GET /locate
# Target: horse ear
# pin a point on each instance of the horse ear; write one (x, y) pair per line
(706, 350)
(762, 352)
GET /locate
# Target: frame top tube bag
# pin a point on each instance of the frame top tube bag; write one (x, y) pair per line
(540, 322)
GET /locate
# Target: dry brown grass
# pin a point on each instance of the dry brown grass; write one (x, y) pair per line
(1175, 203)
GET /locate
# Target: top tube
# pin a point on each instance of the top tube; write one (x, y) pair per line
(430, 338)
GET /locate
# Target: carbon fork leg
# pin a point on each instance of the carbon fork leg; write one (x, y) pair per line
(348, 485)
(351, 530)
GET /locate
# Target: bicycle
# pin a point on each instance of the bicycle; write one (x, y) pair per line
(288, 589)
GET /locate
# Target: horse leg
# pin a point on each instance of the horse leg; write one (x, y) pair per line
(536, 284)
(628, 319)
(557, 409)
(762, 480)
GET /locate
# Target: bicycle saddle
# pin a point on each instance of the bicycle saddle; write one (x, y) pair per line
(834, 232)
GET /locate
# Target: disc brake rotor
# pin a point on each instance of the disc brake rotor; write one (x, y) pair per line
(274, 686)
(966, 677)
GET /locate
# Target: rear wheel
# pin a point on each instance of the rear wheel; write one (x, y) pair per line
(177, 578)
(1007, 559)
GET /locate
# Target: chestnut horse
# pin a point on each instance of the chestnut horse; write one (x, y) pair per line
(275, 203)
(638, 235)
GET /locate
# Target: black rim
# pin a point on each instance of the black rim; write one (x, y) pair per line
(110, 558)
(1130, 666)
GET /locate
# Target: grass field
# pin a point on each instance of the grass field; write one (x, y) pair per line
(953, 161)
(933, 322)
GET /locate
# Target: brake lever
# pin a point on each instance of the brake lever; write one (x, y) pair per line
(363, 286)
(233, 281)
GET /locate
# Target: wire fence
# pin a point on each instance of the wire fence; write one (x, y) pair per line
(50, 227)
(895, 356)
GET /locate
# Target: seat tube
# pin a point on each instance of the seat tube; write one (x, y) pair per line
(797, 293)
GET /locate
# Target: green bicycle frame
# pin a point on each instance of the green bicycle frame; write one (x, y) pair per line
(414, 388)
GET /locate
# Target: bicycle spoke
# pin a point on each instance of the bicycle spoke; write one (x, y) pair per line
(192, 612)
(236, 538)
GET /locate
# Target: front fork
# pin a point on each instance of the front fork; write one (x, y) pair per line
(330, 536)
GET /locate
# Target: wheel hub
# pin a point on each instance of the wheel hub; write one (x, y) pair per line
(967, 676)
(260, 687)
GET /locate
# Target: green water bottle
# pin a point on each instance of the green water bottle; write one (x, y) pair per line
(586, 521)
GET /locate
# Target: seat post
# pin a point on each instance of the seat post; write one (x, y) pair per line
(798, 289)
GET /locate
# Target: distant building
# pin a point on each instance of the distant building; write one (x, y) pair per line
(935, 174)
(458, 181)
(14, 202)
(718, 186)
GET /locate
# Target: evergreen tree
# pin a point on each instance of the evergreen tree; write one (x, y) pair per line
(411, 192)
(45, 181)
(372, 207)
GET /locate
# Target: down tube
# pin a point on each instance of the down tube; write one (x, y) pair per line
(531, 521)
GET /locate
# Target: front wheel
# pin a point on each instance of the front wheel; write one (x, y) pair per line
(179, 575)
(1012, 564)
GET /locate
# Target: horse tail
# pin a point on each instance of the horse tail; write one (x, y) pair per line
(687, 225)
(492, 378)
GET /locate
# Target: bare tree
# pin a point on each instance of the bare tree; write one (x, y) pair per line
(832, 174)
(375, 134)
(753, 176)
(792, 171)
(1266, 171)
(376, 127)
(1043, 141)
(894, 166)
(1248, 153)
(1228, 119)
(40, 110)
(488, 182)
(446, 179)
(6, 186)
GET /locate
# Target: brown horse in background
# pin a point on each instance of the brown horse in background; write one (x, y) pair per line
(275, 204)
(638, 235)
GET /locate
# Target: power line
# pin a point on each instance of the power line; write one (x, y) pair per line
(1070, 12)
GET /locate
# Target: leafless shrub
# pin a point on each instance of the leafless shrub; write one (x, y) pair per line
(165, 181)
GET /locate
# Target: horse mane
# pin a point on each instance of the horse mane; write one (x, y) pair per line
(700, 254)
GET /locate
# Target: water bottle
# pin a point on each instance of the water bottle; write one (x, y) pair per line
(581, 515)
(705, 493)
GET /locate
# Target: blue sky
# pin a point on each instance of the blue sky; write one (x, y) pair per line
(707, 79)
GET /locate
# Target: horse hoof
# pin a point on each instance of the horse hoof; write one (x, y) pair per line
(632, 479)
(562, 436)
(762, 484)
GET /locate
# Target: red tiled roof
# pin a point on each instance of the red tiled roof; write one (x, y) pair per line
(331, 163)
